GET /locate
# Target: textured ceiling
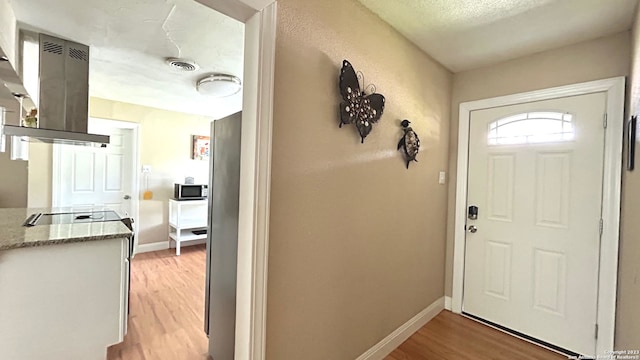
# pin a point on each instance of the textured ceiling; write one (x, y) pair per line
(130, 40)
(467, 34)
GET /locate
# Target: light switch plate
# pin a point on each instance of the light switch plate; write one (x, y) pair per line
(442, 178)
(146, 169)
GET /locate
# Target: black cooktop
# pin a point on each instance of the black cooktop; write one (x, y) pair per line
(72, 218)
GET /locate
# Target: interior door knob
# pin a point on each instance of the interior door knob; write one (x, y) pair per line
(127, 197)
(473, 229)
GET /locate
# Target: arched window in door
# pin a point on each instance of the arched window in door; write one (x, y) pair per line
(531, 127)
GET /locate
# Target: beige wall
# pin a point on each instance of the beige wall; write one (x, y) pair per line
(628, 311)
(356, 240)
(601, 58)
(13, 180)
(40, 175)
(165, 145)
(13, 173)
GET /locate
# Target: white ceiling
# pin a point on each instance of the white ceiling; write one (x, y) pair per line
(130, 40)
(467, 34)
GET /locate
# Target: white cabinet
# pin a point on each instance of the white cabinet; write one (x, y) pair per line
(187, 221)
(63, 301)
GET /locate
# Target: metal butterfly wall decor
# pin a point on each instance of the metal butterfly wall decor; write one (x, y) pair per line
(409, 143)
(358, 108)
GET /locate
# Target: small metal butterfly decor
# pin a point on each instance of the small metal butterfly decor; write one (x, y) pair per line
(409, 143)
(358, 108)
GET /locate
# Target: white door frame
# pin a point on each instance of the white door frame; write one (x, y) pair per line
(259, 17)
(56, 176)
(608, 272)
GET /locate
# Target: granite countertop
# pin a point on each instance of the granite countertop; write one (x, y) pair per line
(13, 235)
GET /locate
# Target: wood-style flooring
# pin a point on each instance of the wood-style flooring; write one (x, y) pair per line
(166, 320)
(167, 307)
(450, 336)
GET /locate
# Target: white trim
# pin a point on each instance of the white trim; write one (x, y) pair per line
(447, 303)
(608, 274)
(56, 176)
(611, 199)
(156, 246)
(383, 348)
(255, 185)
(241, 10)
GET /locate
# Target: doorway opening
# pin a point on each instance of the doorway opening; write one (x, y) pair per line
(89, 176)
(256, 73)
(501, 254)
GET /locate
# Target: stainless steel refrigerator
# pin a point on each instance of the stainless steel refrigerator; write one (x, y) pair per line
(222, 236)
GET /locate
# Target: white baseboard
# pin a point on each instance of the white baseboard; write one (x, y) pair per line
(447, 303)
(172, 244)
(156, 246)
(380, 350)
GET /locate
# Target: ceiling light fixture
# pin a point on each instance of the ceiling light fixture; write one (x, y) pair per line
(219, 85)
(182, 64)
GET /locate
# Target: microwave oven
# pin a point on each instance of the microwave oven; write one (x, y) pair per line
(190, 192)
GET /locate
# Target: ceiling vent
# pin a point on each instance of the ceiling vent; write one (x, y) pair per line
(182, 64)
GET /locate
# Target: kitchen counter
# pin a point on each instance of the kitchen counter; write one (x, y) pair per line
(80, 287)
(13, 235)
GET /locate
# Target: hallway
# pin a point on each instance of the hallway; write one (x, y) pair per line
(167, 301)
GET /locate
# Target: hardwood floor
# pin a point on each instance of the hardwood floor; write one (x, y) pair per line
(167, 307)
(450, 336)
(166, 320)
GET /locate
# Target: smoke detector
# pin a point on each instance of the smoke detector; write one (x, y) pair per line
(182, 64)
(219, 85)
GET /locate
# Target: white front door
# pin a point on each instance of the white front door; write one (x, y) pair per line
(532, 255)
(96, 176)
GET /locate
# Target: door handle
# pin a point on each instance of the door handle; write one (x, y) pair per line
(127, 197)
(473, 229)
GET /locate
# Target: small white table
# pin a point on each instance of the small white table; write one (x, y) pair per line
(186, 216)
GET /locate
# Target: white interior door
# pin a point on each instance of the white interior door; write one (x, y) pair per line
(532, 256)
(96, 176)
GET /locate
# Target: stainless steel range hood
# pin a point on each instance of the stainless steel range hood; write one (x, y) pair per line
(60, 91)
(56, 136)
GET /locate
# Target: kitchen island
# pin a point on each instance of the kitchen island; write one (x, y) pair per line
(63, 287)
